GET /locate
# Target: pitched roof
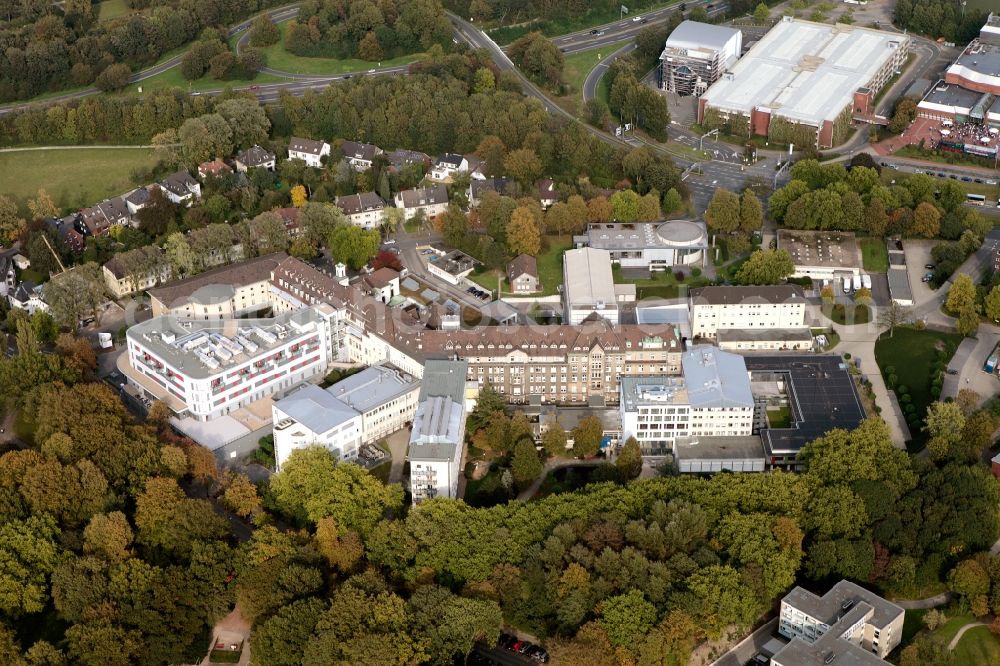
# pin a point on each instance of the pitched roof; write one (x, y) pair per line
(382, 277)
(310, 146)
(138, 196)
(546, 189)
(722, 295)
(481, 186)
(179, 183)
(360, 203)
(254, 156)
(402, 158)
(215, 167)
(25, 290)
(236, 275)
(450, 160)
(359, 151)
(424, 196)
(522, 264)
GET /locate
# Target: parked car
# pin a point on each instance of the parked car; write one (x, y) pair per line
(636, 19)
(537, 653)
(506, 641)
(930, 267)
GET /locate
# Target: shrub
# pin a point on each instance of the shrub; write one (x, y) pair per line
(679, 276)
(902, 388)
(847, 356)
(891, 381)
(695, 272)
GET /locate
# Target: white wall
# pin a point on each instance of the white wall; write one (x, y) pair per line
(342, 440)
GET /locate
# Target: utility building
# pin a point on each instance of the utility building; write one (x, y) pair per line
(696, 55)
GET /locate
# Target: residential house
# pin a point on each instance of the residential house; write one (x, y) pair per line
(215, 168)
(447, 165)
(122, 283)
(309, 151)
(136, 200)
(365, 210)
(383, 284)
(361, 156)
(254, 157)
(290, 217)
(479, 187)
(8, 277)
(848, 625)
(437, 440)
(547, 192)
(522, 274)
(181, 188)
(400, 159)
(433, 201)
(65, 230)
(28, 296)
(96, 220)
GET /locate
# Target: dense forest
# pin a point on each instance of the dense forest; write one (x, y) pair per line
(48, 46)
(949, 19)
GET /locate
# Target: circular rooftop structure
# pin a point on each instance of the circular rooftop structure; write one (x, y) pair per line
(681, 232)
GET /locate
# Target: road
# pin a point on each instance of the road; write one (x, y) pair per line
(749, 646)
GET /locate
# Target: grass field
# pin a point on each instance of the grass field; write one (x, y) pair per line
(839, 314)
(913, 355)
(576, 66)
(550, 262)
(874, 256)
(978, 646)
(280, 59)
(73, 177)
(109, 9)
(172, 78)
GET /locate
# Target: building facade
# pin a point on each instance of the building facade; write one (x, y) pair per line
(365, 210)
(309, 416)
(655, 246)
(309, 151)
(522, 274)
(221, 293)
(433, 201)
(205, 369)
(437, 440)
(712, 398)
(695, 56)
(385, 396)
(715, 309)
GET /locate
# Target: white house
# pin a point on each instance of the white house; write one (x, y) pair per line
(730, 309)
(711, 398)
(8, 277)
(547, 192)
(385, 396)
(254, 157)
(383, 284)
(181, 188)
(308, 150)
(29, 297)
(437, 439)
(452, 267)
(309, 415)
(447, 165)
(365, 210)
(433, 201)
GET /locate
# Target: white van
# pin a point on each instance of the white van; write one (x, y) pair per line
(847, 285)
(856, 282)
(866, 281)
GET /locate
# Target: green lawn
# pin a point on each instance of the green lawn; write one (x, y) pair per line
(947, 631)
(913, 622)
(172, 78)
(839, 314)
(913, 355)
(662, 284)
(780, 417)
(109, 9)
(74, 178)
(874, 256)
(550, 262)
(576, 66)
(280, 59)
(978, 646)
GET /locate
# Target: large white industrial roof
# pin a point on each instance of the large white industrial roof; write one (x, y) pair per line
(803, 71)
(695, 35)
(588, 278)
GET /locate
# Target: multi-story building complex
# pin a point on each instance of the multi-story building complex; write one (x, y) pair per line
(386, 398)
(716, 310)
(848, 624)
(309, 151)
(712, 398)
(208, 368)
(365, 210)
(221, 293)
(653, 246)
(309, 416)
(433, 201)
(970, 90)
(437, 439)
(589, 286)
(695, 56)
(803, 82)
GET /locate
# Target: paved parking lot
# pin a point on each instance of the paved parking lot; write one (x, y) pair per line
(968, 360)
(918, 255)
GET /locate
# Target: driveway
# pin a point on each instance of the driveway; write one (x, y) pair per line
(918, 255)
(860, 342)
(398, 443)
(749, 646)
(970, 366)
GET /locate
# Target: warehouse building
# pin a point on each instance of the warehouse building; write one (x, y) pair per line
(803, 82)
(696, 55)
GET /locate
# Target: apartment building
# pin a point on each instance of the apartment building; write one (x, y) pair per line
(121, 282)
(735, 313)
(309, 416)
(848, 624)
(711, 398)
(437, 440)
(309, 151)
(432, 201)
(208, 368)
(365, 210)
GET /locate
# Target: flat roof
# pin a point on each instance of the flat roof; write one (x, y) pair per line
(764, 335)
(950, 94)
(315, 409)
(372, 387)
(828, 607)
(716, 378)
(804, 71)
(641, 235)
(822, 394)
(899, 284)
(829, 249)
(588, 278)
(719, 448)
(202, 348)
